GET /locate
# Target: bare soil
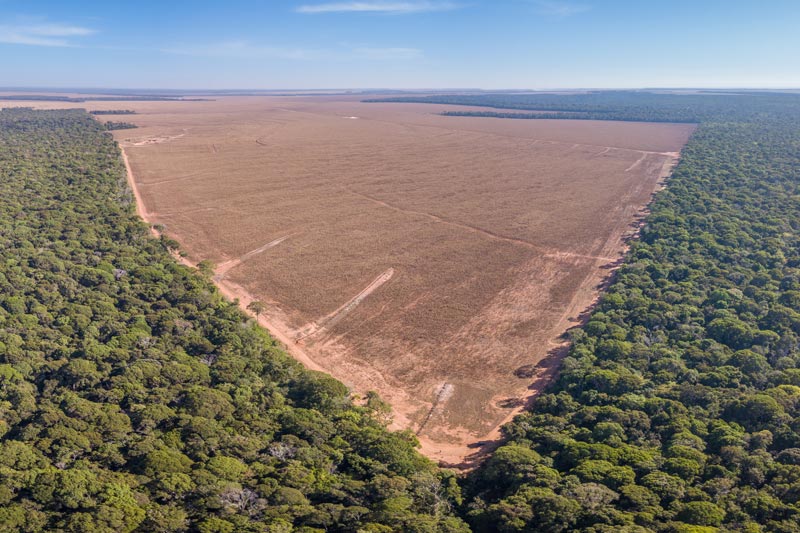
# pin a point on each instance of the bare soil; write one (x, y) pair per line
(436, 260)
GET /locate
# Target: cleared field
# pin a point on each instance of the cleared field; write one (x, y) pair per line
(437, 260)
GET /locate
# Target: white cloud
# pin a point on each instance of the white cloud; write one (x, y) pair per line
(560, 9)
(377, 7)
(41, 34)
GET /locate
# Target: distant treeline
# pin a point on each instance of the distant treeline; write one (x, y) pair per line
(549, 114)
(80, 99)
(111, 125)
(617, 105)
(113, 112)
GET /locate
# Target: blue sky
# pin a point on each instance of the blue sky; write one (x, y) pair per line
(278, 44)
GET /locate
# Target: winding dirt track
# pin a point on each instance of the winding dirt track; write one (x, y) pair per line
(493, 238)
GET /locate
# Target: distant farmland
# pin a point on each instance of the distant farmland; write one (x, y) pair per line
(437, 260)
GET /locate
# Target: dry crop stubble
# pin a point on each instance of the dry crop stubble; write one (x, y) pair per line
(497, 233)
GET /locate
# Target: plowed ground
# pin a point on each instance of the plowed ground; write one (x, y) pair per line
(437, 260)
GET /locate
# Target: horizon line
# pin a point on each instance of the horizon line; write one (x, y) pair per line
(53, 88)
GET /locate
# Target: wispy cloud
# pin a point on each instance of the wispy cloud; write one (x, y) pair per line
(557, 8)
(377, 6)
(41, 34)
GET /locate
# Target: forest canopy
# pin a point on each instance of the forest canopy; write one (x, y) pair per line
(646, 106)
(678, 407)
(134, 398)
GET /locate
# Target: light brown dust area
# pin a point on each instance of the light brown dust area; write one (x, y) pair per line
(437, 260)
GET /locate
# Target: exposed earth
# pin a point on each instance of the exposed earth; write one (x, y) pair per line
(437, 260)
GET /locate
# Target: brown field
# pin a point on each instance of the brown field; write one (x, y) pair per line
(437, 260)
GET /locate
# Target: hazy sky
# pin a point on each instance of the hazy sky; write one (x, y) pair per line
(400, 44)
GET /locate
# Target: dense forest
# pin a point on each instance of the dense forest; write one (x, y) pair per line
(678, 407)
(134, 398)
(618, 105)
